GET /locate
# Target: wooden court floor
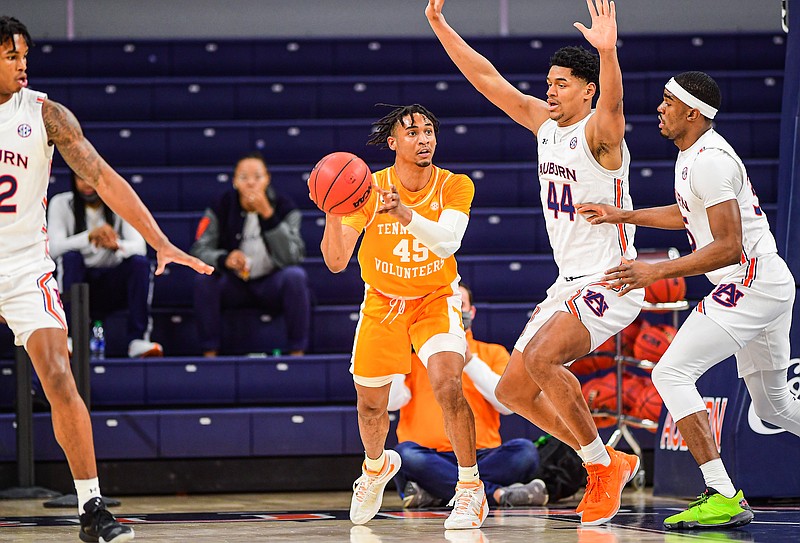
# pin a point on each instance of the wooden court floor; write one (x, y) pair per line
(323, 518)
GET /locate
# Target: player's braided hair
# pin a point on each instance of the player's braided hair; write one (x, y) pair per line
(583, 63)
(702, 86)
(384, 127)
(10, 26)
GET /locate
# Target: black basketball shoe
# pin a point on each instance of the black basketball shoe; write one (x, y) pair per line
(98, 525)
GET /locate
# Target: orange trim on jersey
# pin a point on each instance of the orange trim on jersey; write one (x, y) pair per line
(751, 272)
(623, 240)
(49, 304)
(700, 307)
(571, 305)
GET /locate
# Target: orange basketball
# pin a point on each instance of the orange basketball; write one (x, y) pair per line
(649, 404)
(652, 342)
(666, 290)
(630, 333)
(340, 183)
(591, 363)
(601, 394)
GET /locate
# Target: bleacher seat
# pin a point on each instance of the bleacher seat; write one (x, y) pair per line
(388, 56)
(304, 142)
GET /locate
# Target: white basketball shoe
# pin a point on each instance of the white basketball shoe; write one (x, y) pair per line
(470, 508)
(368, 489)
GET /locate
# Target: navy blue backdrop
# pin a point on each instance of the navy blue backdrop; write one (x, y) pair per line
(788, 227)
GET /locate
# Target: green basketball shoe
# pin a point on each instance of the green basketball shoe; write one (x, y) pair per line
(712, 510)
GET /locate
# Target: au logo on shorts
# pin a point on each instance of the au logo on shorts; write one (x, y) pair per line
(596, 302)
(727, 295)
(24, 130)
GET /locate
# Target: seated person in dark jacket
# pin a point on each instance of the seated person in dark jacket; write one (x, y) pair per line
(91, 244)
(252, 237)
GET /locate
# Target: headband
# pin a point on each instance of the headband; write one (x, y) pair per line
(690, 99)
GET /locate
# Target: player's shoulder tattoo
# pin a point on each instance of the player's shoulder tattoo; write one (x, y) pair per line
(61, 124)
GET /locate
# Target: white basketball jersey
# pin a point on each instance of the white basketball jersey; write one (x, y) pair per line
(757, 240)
(25, 159)
(569, 175)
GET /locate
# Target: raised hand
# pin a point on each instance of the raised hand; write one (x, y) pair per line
(603, 32)
(434, 9)
(600, 213)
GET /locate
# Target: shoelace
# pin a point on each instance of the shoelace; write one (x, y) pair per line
(701, 499)
(596, 486)
(362, 485)
(461, 500)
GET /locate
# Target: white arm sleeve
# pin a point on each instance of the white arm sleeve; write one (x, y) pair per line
(485, 381)
(716, 177)
(399, 393)
(442, 237)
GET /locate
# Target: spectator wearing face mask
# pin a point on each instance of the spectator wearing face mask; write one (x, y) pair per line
(92, 244)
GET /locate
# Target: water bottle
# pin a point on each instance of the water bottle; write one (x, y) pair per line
(97, 343)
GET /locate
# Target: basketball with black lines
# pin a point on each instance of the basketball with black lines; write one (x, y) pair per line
(340, 183)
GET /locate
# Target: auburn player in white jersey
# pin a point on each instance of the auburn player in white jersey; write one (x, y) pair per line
(748, 313)
(582, 155)
(30, 125)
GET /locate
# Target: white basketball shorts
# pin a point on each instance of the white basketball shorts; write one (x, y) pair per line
(599, 308)
(754, 306)
(29, 299)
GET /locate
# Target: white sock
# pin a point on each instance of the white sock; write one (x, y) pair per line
(596, 453)
(375, 466)
(469, 474)
(580, 453)
(87, 489)
(716, 477)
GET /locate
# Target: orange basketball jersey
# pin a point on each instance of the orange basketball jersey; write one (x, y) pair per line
(392, 260)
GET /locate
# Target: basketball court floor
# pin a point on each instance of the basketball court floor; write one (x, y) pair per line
(323, 518)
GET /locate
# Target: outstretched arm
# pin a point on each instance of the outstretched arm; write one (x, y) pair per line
(726, 249)
(64, 130)
(664, 217)
(528, 111)
(607, 128)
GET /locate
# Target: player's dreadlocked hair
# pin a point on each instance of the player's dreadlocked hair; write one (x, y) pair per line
(583, 63)
(702, 86)
(383, 128)
(10, 26)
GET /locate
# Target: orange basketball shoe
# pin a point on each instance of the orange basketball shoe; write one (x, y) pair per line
(604, 489)
(633, 461)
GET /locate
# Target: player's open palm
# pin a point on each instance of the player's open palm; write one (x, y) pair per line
(169, 253)
(603, 32)
(600, 213)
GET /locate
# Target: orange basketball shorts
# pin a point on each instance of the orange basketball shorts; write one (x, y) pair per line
(389, 327)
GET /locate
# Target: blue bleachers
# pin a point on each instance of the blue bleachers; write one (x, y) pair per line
(231, 57)
(348, 97)
(485, 139)
(513, 184)
(173, 115)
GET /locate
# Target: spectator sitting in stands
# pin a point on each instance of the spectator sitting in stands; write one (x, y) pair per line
(428, 473)
(91, 244)
(252, 237)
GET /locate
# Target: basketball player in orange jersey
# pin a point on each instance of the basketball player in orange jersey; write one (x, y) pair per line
(413, 224)
(581, 154)
(30, 126)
